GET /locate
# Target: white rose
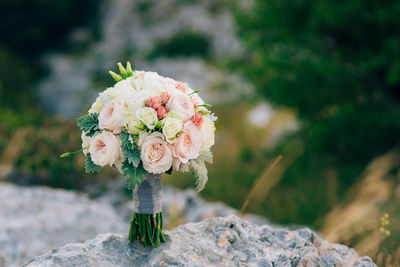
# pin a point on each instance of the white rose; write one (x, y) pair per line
(207, 130)
(105, 149)
(112, 117)
(148, 116)
(152, 83)
(96, 106)
(171, 127)
(134, 125)
(85, 142)
(181, 104)
(125, 85)
(156, 154)
(137, 80)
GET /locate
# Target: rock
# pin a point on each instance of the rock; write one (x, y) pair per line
(36, 219)
(221, 241)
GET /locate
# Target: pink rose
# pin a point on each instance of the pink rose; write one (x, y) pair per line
(105, 149)
(162, 112)
(154, 102)
(197, 119)
(188, 144)
(181, 104)
(164, 98)
(156, 154)
(112, 117)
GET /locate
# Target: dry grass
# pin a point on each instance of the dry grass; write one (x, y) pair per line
(356, 222)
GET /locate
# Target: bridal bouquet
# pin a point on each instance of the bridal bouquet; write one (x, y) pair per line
(146, 125)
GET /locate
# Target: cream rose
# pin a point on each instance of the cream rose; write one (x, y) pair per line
(134, 125)
(112, 117)
(171, 127)
(148, 116)
(207, 130)
(181, 104)
(105, 149)
(187, 145)
(156, 154)
(96, 106)
(85, 142)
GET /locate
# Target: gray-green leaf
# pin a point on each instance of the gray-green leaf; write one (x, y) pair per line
(89, 123)
(130, 151)
(200, 171)
(90, 167)
(134, 176)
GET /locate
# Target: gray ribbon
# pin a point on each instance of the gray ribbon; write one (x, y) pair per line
(147, 197)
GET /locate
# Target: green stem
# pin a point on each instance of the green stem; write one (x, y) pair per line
(147, 228)
(132, 229)
(73, 153)
(194, 92)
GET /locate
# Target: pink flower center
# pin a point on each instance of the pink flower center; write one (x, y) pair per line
(156, 153)
(100, 145)
(187, 142)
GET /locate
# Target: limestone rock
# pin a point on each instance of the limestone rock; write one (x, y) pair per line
(36, 219)
(220, 241)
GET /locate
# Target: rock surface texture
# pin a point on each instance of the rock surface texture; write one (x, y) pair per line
(34, 220)
(221, 241)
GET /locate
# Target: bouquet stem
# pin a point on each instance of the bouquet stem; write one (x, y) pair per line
(147, 228)
(147, 221)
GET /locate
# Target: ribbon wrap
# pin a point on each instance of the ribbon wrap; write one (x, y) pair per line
(147, 197)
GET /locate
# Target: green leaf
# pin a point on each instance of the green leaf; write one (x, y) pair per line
(134, 176)
(89, 123)
(130, 152)
(124, 136)
(200, 171)
(90, 167)
(132, 155)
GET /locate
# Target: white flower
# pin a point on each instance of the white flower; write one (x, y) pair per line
(181, 104)
(85, 142)
(125, 85)
(152, 83)
(207, 130)
(156, 154)
(137, 80)
(96, 106)
(105, 149)
(112, 117)
(148, 116)
(134, 125)
(171, 127)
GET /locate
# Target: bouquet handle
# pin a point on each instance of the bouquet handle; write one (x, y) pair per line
(147, 220)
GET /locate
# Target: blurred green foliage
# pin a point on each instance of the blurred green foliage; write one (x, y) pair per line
(28, 29)
(336, 63)
(184, 43)
(30, 139)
